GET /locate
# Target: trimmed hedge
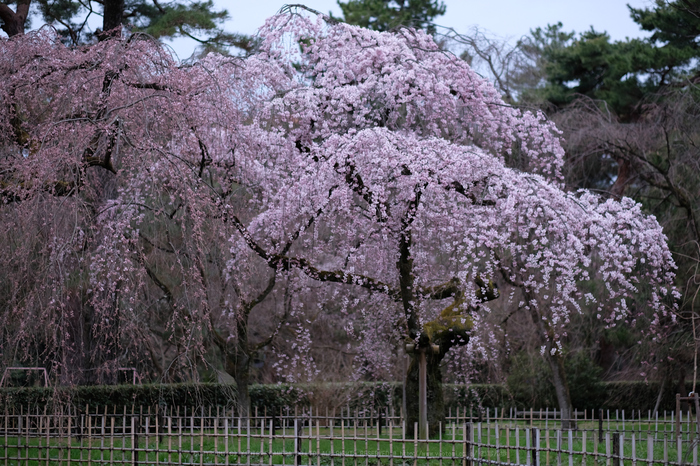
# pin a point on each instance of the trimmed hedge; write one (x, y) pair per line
(638, 396)
(190, 395)
(618, 395)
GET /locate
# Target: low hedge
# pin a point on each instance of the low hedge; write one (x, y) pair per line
(618, 395)
(189, 395)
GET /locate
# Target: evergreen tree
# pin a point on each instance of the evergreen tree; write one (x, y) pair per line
(383, 15)
(14, 22)
(624, 73)
(594, 66)
(197, 20)
(675, 26)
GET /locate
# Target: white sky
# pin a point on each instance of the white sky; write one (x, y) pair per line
(505, 18)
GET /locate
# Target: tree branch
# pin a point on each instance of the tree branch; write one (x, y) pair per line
(164, 288)
(279, 261)
(354, 181)
(450, 289)
(13, 22)
(405, 265)
(248, 306)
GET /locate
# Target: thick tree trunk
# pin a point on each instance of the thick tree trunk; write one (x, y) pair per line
(113, 18)
(623, 178)
(242, 384)
(436, 401)
(13, 21)
(238, 367)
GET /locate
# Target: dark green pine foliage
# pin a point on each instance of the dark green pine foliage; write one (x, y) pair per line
(595, 67)
(383, 15)
(198, 20)
(623, 73)
(537, 49)
(674, 25)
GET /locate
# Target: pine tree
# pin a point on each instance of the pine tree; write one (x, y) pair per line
(383, 15)
(624, 73)
(198, 20)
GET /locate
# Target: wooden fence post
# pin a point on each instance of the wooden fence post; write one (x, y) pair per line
(616, 449)
(297, 444)
(535, 442)
(467, 444)
(678, 417)
(70, 437)
(134, 439)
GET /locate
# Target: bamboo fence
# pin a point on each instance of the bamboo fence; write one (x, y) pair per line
(217, 436)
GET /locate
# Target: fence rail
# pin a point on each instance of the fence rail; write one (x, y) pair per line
(307, 437)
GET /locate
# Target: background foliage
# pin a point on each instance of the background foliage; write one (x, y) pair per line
(630, 396)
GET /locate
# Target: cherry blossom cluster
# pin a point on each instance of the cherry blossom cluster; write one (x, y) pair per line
(333, 155)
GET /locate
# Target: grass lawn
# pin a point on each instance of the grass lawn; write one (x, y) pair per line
(358, 447)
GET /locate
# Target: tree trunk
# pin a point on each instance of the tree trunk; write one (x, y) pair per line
(242, 384)
(113, 18)
(659, 397)
(238, 366)
(561, 388)
(556, 363)
(436, 401)
(682, 390)
(623, 178)
(13, 21)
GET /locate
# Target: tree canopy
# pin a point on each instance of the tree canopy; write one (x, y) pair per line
(621, 73)
(399, 177)
(383, 15)
(199, 21)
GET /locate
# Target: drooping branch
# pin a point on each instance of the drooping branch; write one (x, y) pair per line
(355, 182)
(153, 86)
(154, 245)
(62, 188)
(54, 188)
(459, 188)
(306, 226)
(336, 276)
(112, 148)
(283, 262)
(681, 198)
(271, 336)
(206, 158)
(159, 283)
(105, 162)
(485, 291)
(249, 305)
(445, 290)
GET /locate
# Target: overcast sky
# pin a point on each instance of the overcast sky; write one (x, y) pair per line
(505, 18)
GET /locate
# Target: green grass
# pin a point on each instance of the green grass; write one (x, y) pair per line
(201, 447)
